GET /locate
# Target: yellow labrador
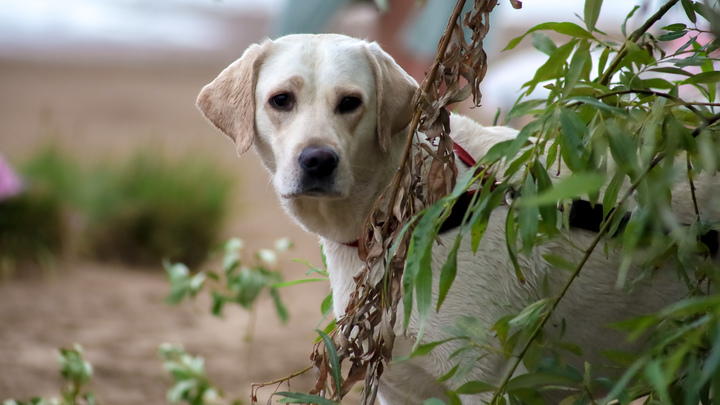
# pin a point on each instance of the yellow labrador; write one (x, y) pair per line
(326, 114)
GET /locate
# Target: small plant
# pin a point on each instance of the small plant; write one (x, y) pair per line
(77, 373)
(240, 282)
(192, 384)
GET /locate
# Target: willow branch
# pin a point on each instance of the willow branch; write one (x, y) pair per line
(634, 37)
(546, 316)
(710, 121)
(428, 82)
(682, 102)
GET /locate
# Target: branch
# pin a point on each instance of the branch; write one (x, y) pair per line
(634, 37)
(708, 122)
(254, 387)
(428, 82)
(546, 316)
(685, 104)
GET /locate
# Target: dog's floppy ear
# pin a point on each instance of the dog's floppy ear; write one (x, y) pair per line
(395, 90)
(228, 102)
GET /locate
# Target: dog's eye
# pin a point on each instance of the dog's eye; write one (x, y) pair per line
(348, 104)
(283, 101)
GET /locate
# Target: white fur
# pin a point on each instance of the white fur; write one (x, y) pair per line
(330, 66)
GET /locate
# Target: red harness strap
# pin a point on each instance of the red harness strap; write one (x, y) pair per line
(463, 155)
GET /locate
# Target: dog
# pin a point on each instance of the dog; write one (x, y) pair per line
(327, 114)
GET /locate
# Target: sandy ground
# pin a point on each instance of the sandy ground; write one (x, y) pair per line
(98, 109)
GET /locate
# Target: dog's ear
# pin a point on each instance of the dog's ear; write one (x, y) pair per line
(395, 90)
(228, 102)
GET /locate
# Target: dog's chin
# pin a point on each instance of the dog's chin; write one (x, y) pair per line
(314, 193)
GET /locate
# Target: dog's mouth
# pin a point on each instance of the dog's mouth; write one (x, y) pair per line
(315, 193)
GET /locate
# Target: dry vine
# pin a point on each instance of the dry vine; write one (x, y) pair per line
(365, 335)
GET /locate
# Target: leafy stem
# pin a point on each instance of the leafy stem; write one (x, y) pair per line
(676, 100)
(634, 37)
(555, 301)
(428, 82)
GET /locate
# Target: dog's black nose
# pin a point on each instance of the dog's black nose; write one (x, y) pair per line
(318, 161)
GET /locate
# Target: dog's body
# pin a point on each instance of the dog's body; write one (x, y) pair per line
(324, 112)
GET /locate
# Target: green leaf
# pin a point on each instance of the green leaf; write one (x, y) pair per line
(543, 43)
(474, 387)
(547, 212)
(622, 149)
(418, 271)
(654, 374)
(231, 261)
(629, 16)
(703, 78)
(559, 262)
(670, 69)
(573, 131)
(449, 374)
(528, 216)
(623, 381)
(611, 193)
(334, 360)
(520, 109)
(296, 282)
(565, 28)
(529, 314)
(552, 68)
(423, 350)
(599, 104)
(710, 367)
(603, 60)
(538, 380)
(675, 27)
(327, 304)
(433, 401)
(511, 243)
(279, 306)
(577, 69)
(322, 255)
(592, 12)
(300, 398)
(448, 272)
(218, 301)
(687, 5)
(574, 186)
(671, 36)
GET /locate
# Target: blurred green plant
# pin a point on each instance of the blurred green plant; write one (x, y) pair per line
(192, 385)
(149, 209)
(33, 223)
(240, 282)
(139, 212)
(32, 228)
(77, 373)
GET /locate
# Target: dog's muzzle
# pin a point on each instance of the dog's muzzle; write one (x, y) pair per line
(319, 166)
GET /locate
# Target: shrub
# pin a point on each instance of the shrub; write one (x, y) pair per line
(32, 222)
(150, 209)
(140, 212)
(31, 229)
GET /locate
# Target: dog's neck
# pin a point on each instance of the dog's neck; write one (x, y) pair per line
(342, 220)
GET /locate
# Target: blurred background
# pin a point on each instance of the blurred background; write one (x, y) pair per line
(106, 169)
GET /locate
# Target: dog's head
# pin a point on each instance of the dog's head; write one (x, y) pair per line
(321, 110)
